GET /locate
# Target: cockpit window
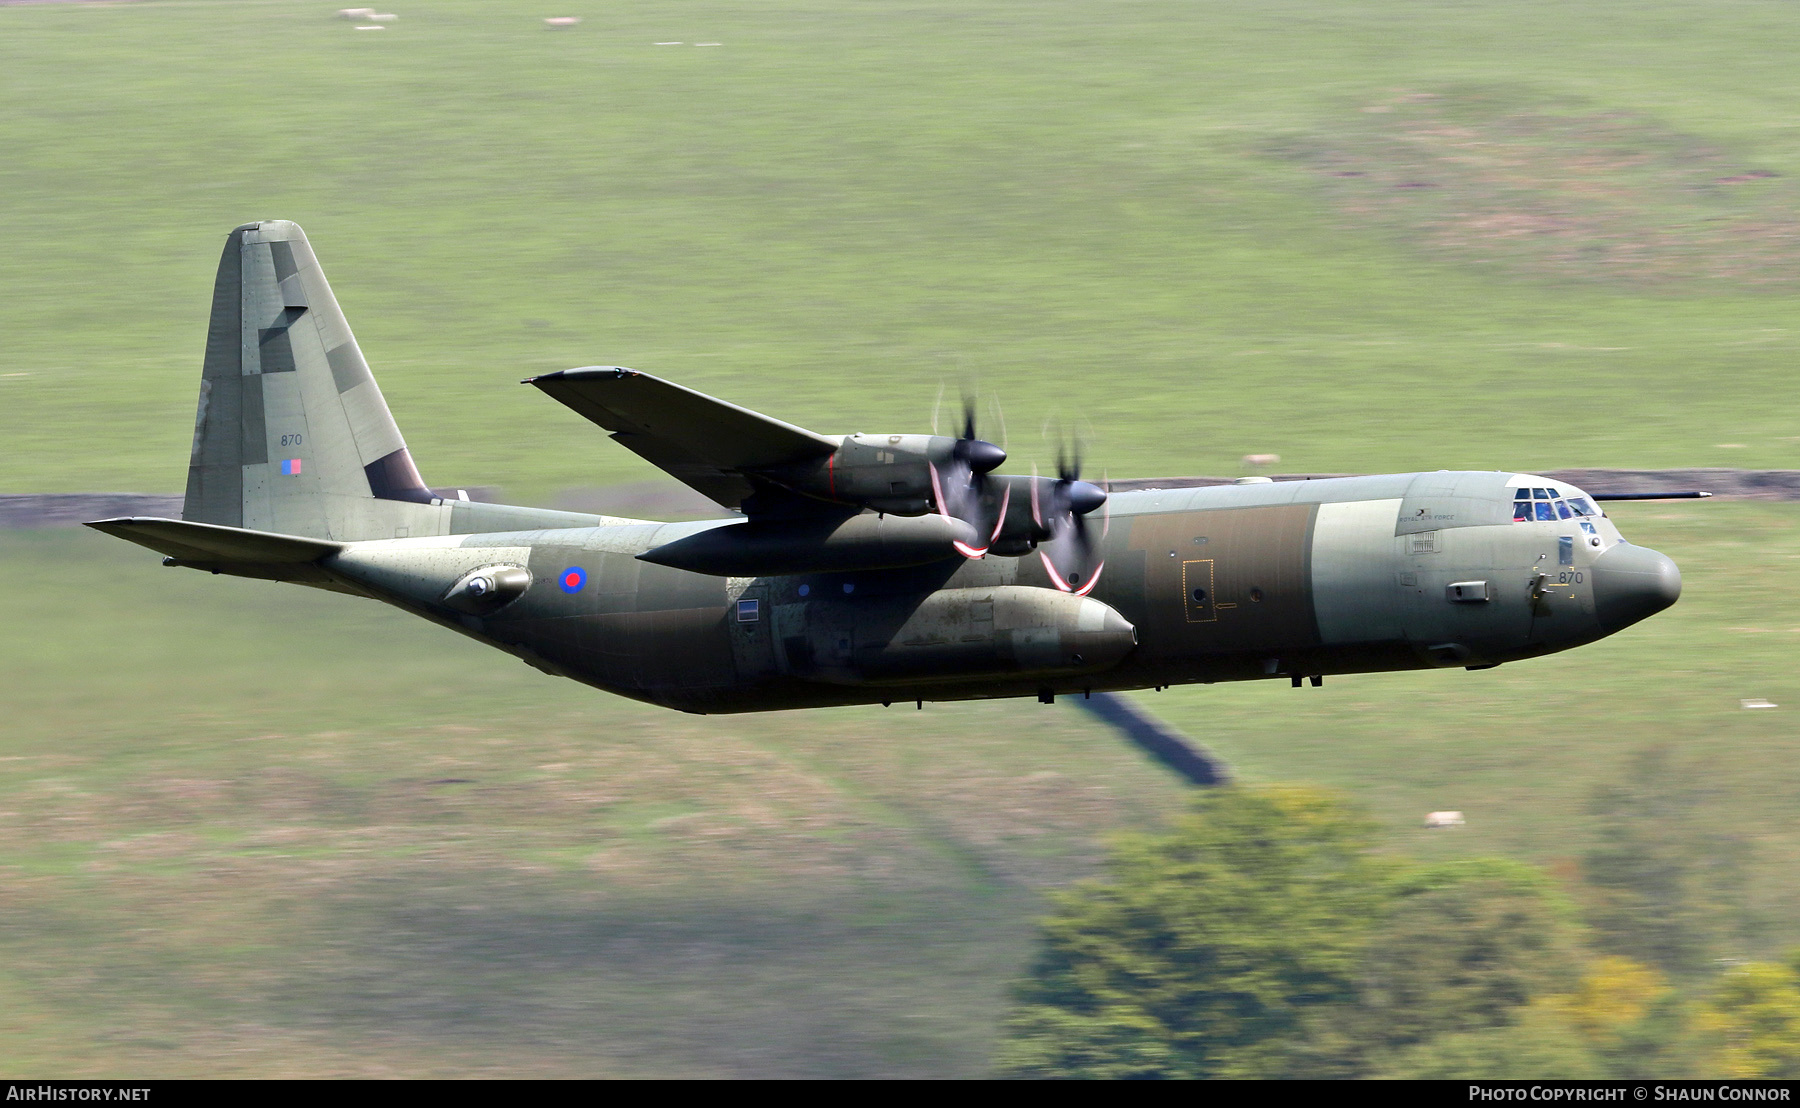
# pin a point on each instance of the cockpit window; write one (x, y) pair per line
(1521, 494)
(1546, 511)
(1580, 506)
(1521, 510)
(1541, 494)
(1562, 510)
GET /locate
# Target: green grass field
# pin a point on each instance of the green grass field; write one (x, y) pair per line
(258, 829)
(1093, 211)
(247, 829)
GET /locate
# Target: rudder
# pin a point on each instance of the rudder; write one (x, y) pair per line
(292, 434)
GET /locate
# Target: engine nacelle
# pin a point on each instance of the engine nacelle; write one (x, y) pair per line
(885, 473)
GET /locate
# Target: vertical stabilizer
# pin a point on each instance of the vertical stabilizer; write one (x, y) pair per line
(292, 434)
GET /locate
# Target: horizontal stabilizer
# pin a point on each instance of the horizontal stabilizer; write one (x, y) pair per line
(211, 544)
(701, 441)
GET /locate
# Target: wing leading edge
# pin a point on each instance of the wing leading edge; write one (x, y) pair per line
(701, 441)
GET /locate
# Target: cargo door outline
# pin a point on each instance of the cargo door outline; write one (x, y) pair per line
(753, 638)
(1197, 591)
(794, 653)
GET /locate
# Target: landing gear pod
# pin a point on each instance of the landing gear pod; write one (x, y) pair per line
(956, 635)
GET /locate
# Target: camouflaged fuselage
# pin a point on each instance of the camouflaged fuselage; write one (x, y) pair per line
(299, 473)
(1224, 583)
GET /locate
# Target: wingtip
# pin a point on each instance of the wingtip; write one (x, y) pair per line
(120, 527)
(122, 521)
(269, 230)
(586, 372)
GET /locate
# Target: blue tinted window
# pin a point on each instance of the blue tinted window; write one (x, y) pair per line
(748, 611)
(1546, 511)
(1521, 494)
(1562, 510)
(1540, 494)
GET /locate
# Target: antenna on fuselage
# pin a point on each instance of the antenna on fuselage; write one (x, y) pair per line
(1650, 495)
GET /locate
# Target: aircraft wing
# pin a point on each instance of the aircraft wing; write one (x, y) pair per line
(701, 441)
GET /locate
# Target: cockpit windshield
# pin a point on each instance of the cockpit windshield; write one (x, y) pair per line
(1548, 505)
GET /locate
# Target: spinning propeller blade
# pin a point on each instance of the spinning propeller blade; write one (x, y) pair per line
(1070, 550)
(961, 487)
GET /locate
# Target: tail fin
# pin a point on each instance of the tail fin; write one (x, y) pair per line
(292, 434)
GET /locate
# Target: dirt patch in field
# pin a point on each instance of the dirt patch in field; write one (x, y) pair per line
(1557, 190)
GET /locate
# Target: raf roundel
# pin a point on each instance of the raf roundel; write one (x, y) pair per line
(573, 579)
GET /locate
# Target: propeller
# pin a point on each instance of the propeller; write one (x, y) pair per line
(1061, 524)
(962, 488)
(1062, 512)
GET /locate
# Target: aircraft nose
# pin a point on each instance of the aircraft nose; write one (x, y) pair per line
(1633, 583)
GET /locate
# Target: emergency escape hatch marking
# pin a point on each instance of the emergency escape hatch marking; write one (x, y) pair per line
(1197, 591)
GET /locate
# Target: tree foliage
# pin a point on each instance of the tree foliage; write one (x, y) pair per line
(1262, 937)
(1754, 1017)
(1205, 953)
(1456, 949)
(1622, 1019)
(1631, 1017)
(1539, 1044)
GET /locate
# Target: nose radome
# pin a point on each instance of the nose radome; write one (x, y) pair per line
(1633, 583)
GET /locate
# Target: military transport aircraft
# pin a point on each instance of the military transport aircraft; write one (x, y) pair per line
(864, 568)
